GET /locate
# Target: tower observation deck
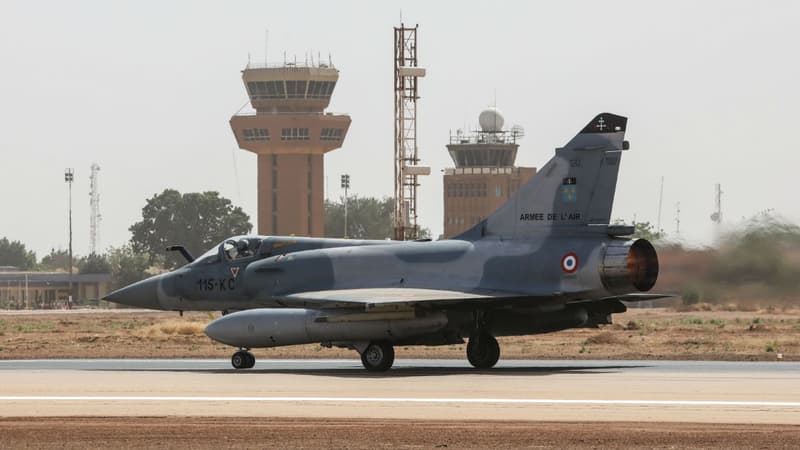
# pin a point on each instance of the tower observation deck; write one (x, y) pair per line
(290, 132)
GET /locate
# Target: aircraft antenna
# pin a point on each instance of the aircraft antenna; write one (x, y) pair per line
(94, 208)
(406, 153)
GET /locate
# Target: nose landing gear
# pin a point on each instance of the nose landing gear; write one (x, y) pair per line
(243, 359)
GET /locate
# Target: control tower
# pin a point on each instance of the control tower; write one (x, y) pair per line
(290, 132)
(484, 176)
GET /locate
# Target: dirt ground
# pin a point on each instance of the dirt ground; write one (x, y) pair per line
(202, 433)
(659, 333)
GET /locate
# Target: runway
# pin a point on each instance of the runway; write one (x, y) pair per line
(657, 391)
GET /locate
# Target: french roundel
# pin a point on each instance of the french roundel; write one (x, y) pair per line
(569, 263)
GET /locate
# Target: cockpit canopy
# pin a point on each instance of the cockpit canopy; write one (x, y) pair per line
(237, 247)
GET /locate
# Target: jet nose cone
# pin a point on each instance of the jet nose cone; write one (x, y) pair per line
(142, 294)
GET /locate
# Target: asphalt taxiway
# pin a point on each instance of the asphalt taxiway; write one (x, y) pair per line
(672, 391)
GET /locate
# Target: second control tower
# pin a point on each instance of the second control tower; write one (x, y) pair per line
(484, 176)
(290, 132)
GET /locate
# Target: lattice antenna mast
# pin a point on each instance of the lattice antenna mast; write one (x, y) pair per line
(406, 153)
(94, 208)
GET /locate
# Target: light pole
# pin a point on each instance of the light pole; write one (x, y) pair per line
(69, 176)
(345, 186)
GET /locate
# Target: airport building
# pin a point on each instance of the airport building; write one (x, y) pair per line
(290, 132)
(36, 290)
(484, 176)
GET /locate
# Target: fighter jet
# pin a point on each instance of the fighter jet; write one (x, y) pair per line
(548, 259)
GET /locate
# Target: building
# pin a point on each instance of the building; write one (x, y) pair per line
(290, 132)
(38, 290)
(484, 176)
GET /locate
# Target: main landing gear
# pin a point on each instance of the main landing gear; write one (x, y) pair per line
(243, 359)
(378, 356)
(483, 351)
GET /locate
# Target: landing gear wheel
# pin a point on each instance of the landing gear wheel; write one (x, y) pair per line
(378, 356)
(251, 360)
(483, 351)
(243, 360)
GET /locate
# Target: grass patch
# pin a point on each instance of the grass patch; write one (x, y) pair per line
(32, 327)
(693, 343)
(633, 325)
(691, 321)
(604, 338)
(176, 328)
(771, 347)
(129, 325)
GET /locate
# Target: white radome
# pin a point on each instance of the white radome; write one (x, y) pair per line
(491, 120)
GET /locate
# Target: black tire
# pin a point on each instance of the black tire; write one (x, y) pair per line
(239, 360)
(251, 360)
(483, 351)
(378, 356)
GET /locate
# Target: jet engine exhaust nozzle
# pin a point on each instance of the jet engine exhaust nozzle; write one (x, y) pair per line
(629, 266)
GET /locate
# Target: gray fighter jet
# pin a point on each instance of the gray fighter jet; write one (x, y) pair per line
(547, 260)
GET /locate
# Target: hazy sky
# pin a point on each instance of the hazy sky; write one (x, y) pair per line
(146, 89)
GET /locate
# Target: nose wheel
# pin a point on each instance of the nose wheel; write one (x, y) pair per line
(483, 351)
(243, 360)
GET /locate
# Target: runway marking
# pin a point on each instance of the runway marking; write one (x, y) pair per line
(523, 401)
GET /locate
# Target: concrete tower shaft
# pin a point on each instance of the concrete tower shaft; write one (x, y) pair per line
(290, 132)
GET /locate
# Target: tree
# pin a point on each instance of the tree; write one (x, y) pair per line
(14, 253)
(56, 260)
(367, 218)
(127, 266)
(94, 263)
(644, 230)
(195, 220)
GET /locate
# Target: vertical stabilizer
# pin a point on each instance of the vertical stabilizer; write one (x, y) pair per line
(576, 187)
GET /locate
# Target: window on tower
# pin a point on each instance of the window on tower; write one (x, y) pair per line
(261, 90)
(330, 134)
(320, 89)
(294, 134)
(256, 134)
(296, 88)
